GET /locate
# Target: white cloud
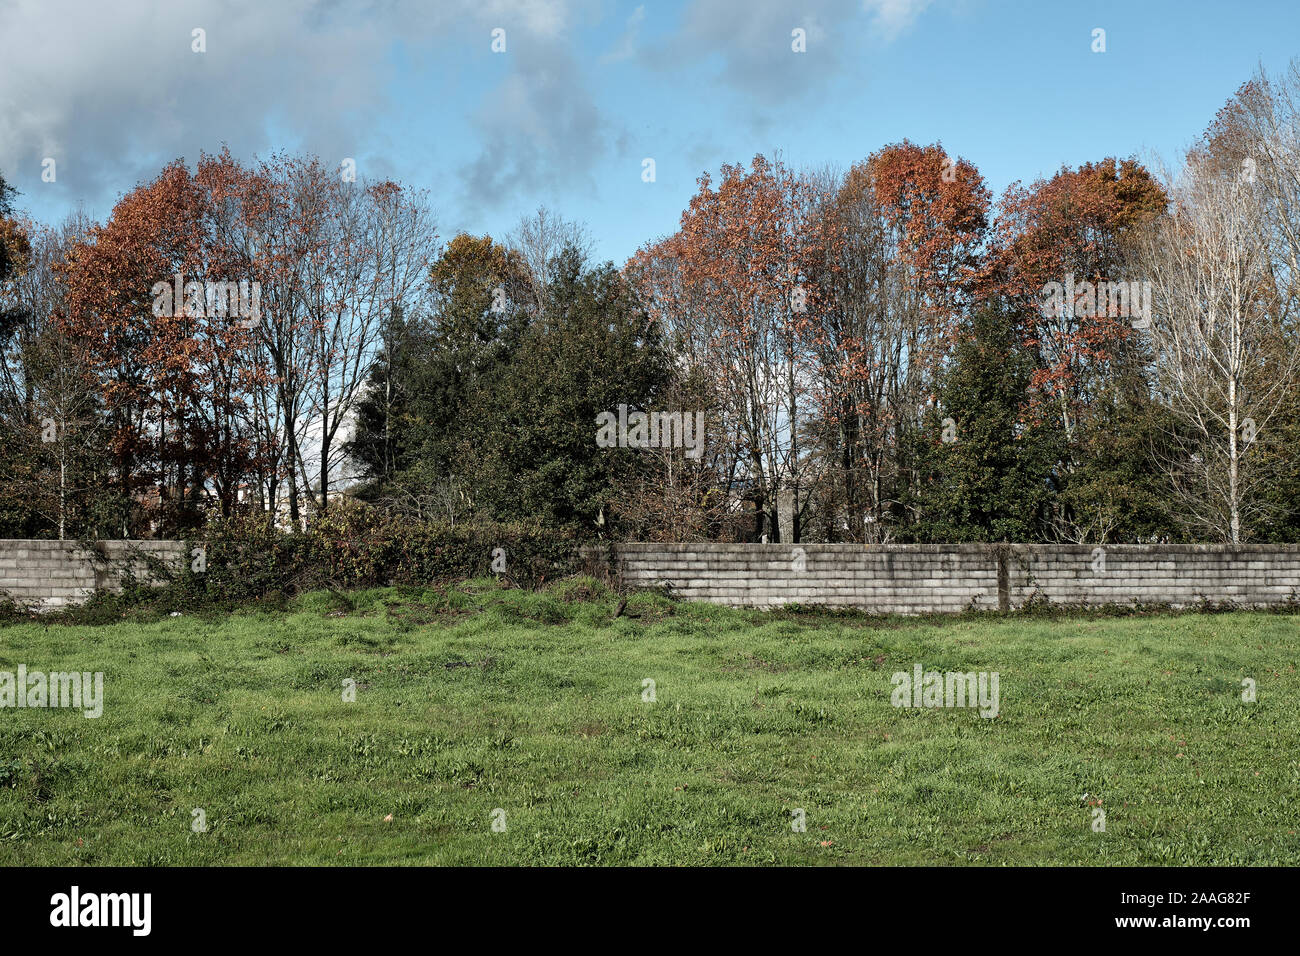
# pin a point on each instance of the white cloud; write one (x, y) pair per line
(892, 17)
(626, 46)
(545, 18)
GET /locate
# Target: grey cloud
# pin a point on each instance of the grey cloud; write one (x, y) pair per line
(541, 128)
(750, 44)
(750, 41)
(112, 91)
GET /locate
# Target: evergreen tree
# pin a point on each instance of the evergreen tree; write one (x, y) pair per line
(1117, 492)
(533, 433)
(986, 469)
(415, 413)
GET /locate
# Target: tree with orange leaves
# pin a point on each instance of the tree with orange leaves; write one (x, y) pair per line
(896, 264)
(173, 369)
(1073, 231)
(732, 289)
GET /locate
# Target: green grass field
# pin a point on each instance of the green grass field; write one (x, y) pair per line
(474, 699)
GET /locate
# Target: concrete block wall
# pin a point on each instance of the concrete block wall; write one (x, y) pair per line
(1252, 575)
(883, 579)
(913, 579)
(45, 575)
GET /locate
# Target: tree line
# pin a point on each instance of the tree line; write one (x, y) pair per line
(1106, 355)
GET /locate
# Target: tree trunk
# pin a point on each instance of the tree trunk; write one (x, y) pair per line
(63, 494)
(1234, 451)
(324, 474)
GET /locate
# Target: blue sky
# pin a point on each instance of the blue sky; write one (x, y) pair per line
(587, 89)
